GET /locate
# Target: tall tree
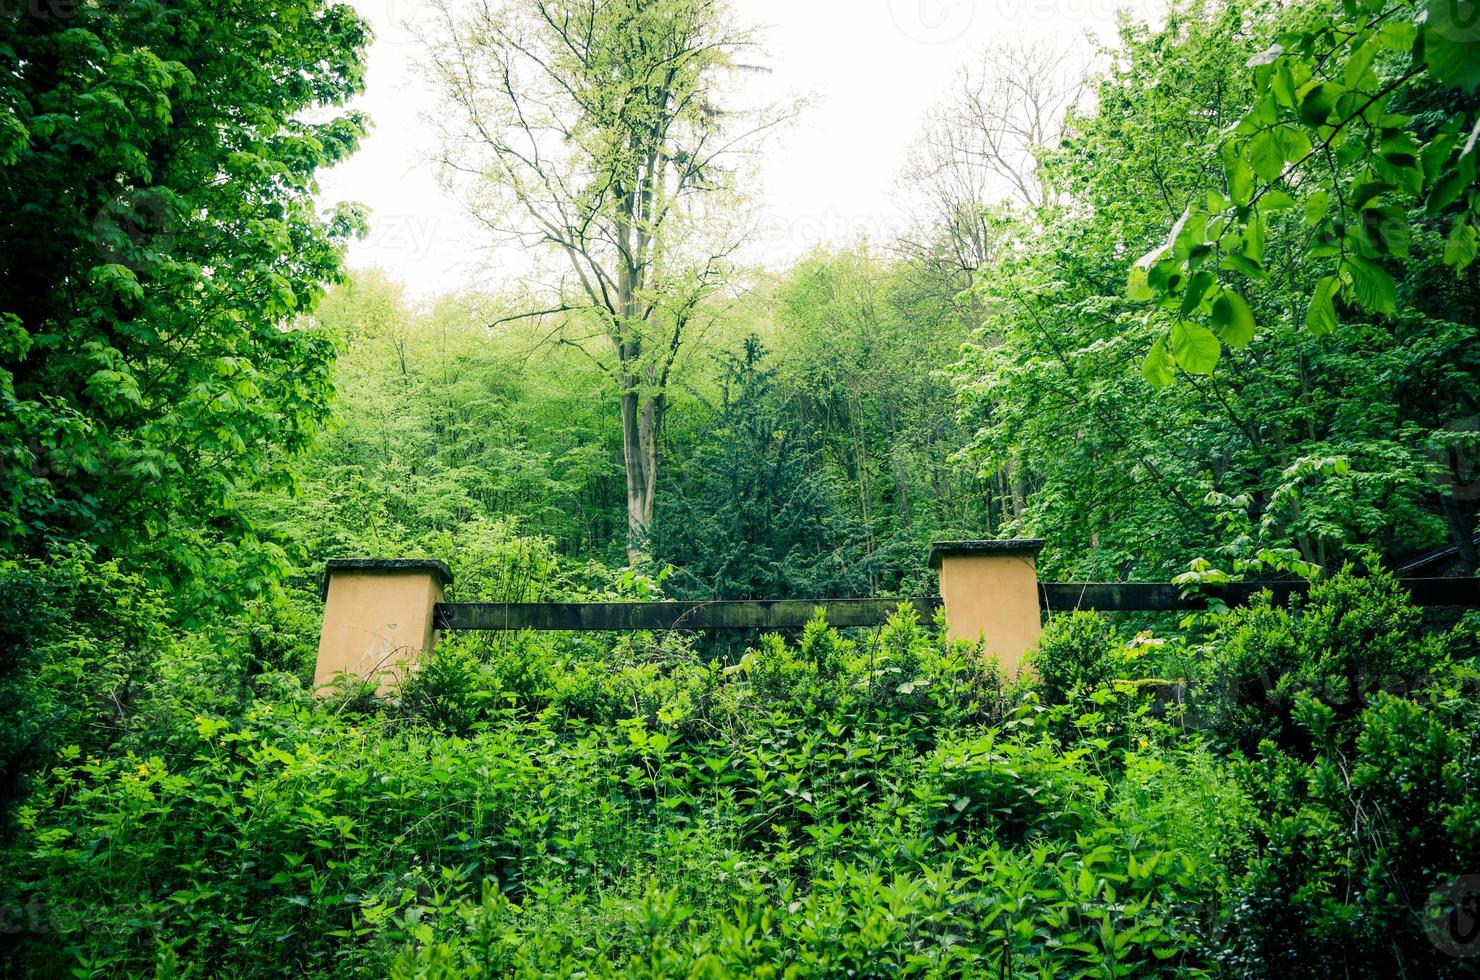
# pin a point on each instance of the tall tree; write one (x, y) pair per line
(977, 168)
(981, 145)
(595, 130)
(1314, 441)
(157, 239)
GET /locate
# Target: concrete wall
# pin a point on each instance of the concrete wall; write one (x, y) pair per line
(990, 592)
(378, 617)
(379, 614)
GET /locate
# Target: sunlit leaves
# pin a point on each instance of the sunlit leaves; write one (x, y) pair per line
(164, 218)
(1233, 319)
(1194, 347)
(1197, 291)
(1158, 368)
(1320, 315)
(1137, 287)
(1372, 285)
(1460, 249)
(1316, 207)
(1319, 139)
(1317, 102)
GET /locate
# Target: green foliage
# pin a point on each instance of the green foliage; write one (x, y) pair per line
(448, 690)
(447, 434)
(1355, 636)
(530, 804)
(1075, 655)
(755, 515)
(820, 808)
(1332, 443)
(877, 804)
(160, 242)
(1347, 126)
(78, 650)
(1352, 846)
(860, 348)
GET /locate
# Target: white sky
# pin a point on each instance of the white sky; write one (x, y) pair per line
(869, 68)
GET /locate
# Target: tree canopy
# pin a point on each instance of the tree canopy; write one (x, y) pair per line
(160, 247)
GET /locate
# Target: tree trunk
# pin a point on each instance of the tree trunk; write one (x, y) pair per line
(641, 421)
(1461, 531)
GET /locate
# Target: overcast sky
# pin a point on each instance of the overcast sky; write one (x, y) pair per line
(870, 69)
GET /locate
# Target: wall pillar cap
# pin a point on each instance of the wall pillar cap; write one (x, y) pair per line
(444, 574)
(941, 550)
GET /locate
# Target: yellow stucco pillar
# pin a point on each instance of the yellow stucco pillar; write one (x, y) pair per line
(990, 591)
(378, 616)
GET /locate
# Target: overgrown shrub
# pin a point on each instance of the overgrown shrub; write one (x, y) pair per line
(535, 804)
(1356, 635)
(80, 641)
(1351, 847)
(1075, 655)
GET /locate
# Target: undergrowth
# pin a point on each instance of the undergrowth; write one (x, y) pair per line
(876, 806)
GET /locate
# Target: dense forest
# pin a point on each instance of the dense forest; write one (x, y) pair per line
(1197, 303)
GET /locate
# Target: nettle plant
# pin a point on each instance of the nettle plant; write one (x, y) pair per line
(1362, 137)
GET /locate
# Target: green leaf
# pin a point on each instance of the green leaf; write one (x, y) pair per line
(1233, 318)
(1235, 262)
(1265, 156)
(1320, 315)
(1373, 286)
(1459, 250)
(1158, 369)
(1197, 290)
(1136, 286)
(1317, 101)
(1276, 201)
(1358, 65)
(1316, 207)
(1293, 142)
(1398, 35)
(1386, 230)
(1444, 191)
(1366, 191)
(1240, 178)
(1399, 150)
(1254, 238)
(1194, 347)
